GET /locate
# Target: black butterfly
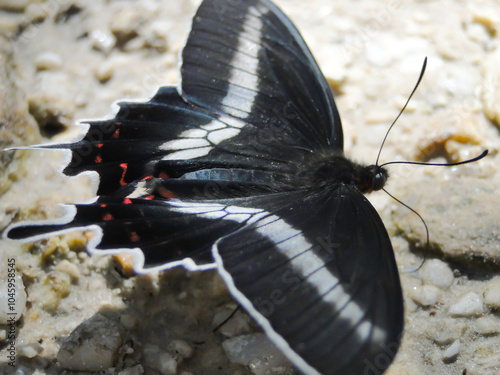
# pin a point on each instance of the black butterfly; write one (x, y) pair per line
(241, 168)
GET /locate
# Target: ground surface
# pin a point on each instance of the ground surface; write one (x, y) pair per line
(68, 60)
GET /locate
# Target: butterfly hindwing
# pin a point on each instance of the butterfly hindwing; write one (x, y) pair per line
(319, 275)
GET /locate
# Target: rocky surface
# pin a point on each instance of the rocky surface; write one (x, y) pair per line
(66, 60)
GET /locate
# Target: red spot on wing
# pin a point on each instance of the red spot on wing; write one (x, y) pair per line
(165, 193)
(118, 123)
(124, 166)
(116, 134)
(149, 197)
(99, 145)
(127, 201)
(98, 159)
(163, 175)
(108, 217)
(146, 178)
(104, 205)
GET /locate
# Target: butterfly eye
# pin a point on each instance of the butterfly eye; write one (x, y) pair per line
(379, 180)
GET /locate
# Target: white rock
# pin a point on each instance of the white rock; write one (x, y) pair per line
(92, 346)
(69, 268)
(437, 273)
(181, 348)
(48, 61)
(487, 325)
(451, 353)
(30, 350)
(102, 40)
(425, 295)
(238, 325)
(444, 336)
(492, 295)
(12, 299)
(255, 350)
(168, 364)
(136, 370)
(469, 304)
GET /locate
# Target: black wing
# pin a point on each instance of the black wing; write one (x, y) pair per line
(251, 97)
(319, 276)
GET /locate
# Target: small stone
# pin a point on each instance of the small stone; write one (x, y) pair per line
(492, 295)
(181, 348)
(255, 349)
(425, 295)
(168, 364)
(92, 346)
(104, 71)
(102, 40)
(69, 268)
(125, 23)
(444, 336)
(487, 325)
(48, 61)
(237, 325)
(451, 353)
(467, 305)
(30, 350)
(136, 370)
(437, 273)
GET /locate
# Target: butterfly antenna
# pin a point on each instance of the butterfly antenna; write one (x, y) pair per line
(427, 246)
(479, 157)
(404, 107)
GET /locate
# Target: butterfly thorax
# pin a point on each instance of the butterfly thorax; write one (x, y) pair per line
(338, 169)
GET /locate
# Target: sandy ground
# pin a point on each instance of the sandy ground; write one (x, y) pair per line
(63, 61)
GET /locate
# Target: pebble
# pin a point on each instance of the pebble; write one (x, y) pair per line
(48, 61)
(30, 350)
(444, 336)
(92, 346)
(425, 295)
(257, 350)
(238, 325)
(18, 300)
(492, 294)
(437, 272)
(487, 325)
(181, 348)
(104, 71)
(102, 40)
(469, 304)
(136, 370)
(168, 364)
(125, 23)
(69, 268)
(451, 353)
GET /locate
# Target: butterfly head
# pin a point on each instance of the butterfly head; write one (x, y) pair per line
(372, 178)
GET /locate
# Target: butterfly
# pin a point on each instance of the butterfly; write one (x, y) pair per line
(241, 168)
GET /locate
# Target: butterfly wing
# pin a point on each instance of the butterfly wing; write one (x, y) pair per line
(246, 59)
(319, 275)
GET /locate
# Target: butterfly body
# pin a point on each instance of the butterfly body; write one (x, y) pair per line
(241, 168)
